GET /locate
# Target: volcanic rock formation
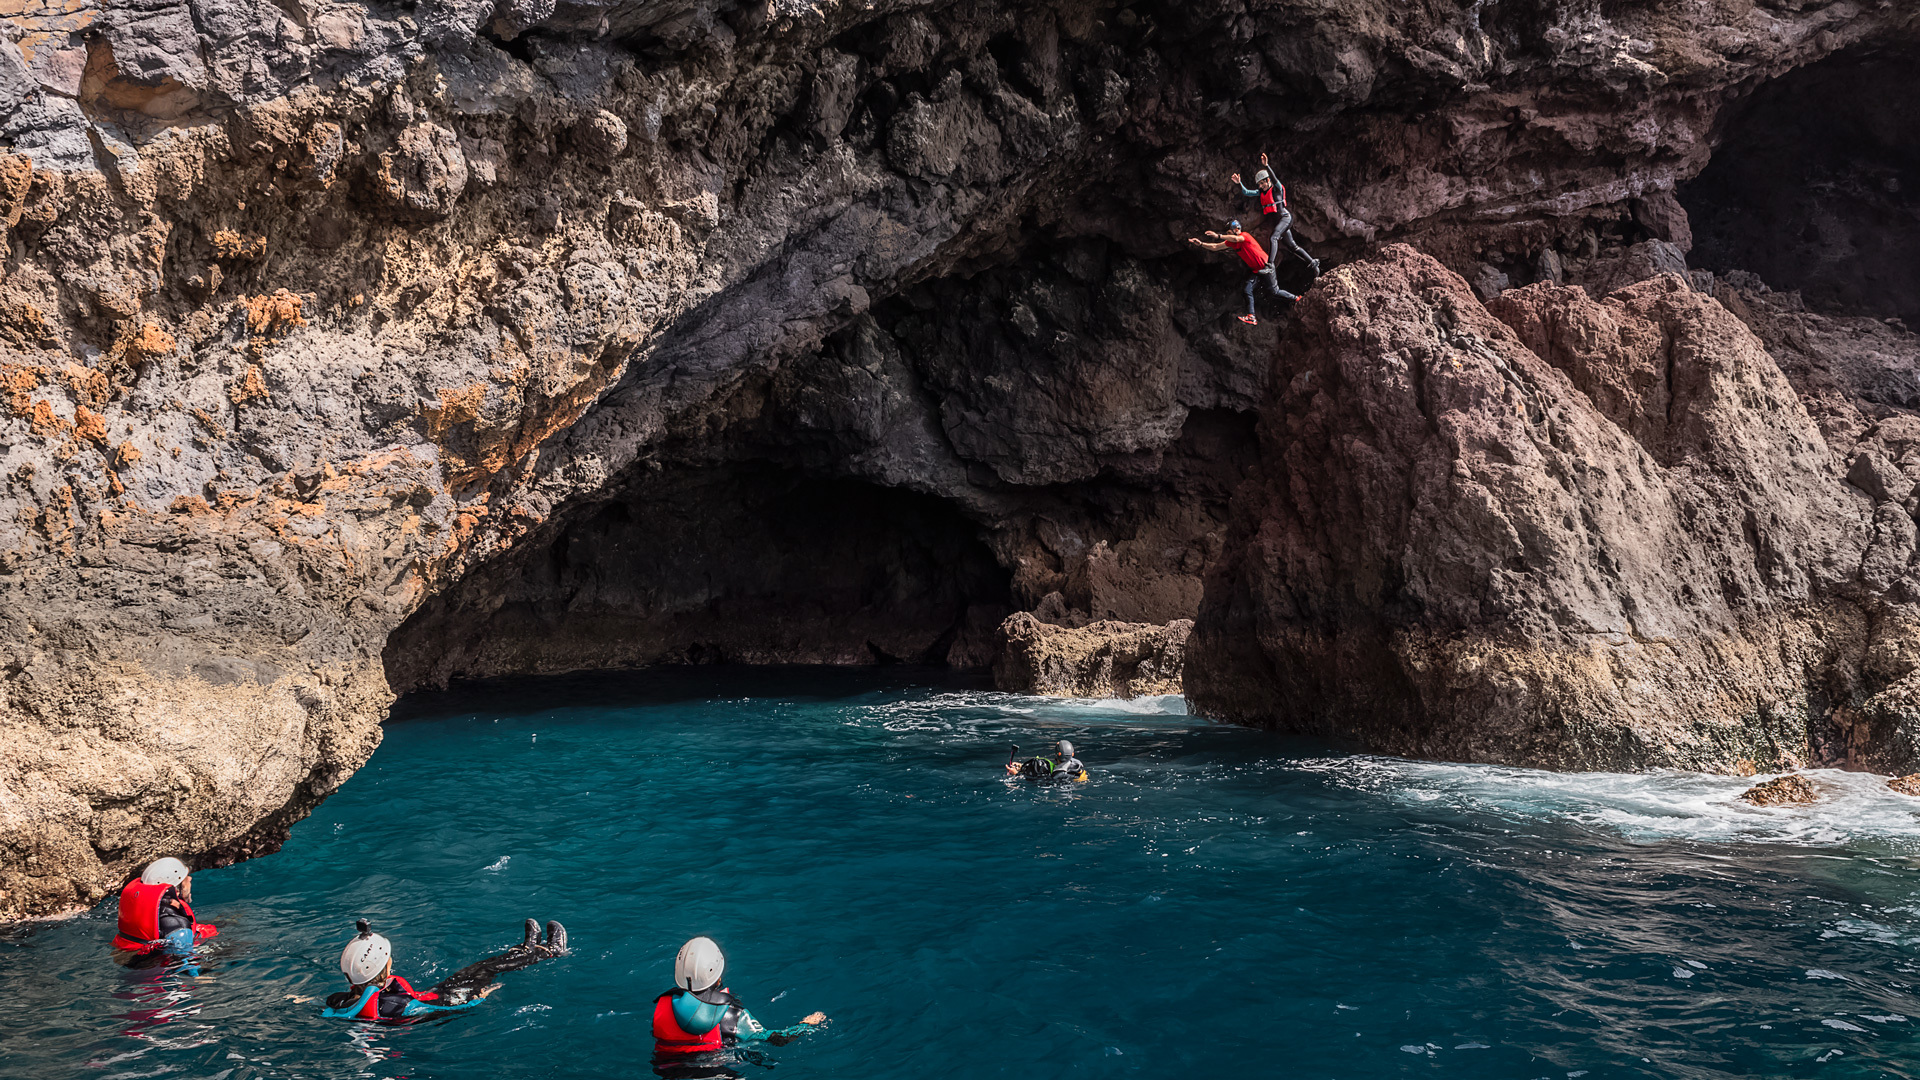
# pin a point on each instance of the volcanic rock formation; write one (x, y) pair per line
(1103, 659)
(351, 347)
(1559, 531)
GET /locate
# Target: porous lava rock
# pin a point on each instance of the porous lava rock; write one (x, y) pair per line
(1564, 532)
(335, 342)
(1789, 790)
(1099, 660)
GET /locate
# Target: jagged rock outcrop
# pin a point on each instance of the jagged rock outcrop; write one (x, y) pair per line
(336, 343)
(1789, 790)
(1557, 531)
(1099, 660)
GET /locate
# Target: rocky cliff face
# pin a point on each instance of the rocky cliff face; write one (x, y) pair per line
(1560, 531)
(353, 347)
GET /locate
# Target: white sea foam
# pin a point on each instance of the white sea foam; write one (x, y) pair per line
(1648, 806)
(499, 863)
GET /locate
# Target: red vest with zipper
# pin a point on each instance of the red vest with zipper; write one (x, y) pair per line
(140, 915)
(1272, 199)
(670, 1038)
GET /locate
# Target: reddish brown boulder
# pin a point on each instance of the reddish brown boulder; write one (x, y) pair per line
(1789, 790)
(1597, 534)
(1102, 659)
(1906, 785)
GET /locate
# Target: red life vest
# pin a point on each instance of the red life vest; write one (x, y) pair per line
(670, 1038)
(139, 927)
(1273, 199)
(371, 1009)
(1250, 251)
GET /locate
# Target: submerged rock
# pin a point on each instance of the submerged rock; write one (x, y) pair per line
(1099, 660)
(1789, 790)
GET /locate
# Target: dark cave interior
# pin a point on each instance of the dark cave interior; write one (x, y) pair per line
(749, 563)
(1815, 185)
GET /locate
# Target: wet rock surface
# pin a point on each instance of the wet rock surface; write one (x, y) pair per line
(1789, 790)
(1099, 660)
(314, 328)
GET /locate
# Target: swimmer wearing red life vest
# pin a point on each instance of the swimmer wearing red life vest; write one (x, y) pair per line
(156, 911)
(374, 992)
(1243, 244)
(699, 1016)
(1273, 200)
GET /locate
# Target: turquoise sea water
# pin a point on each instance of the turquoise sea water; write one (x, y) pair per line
(1216, 902)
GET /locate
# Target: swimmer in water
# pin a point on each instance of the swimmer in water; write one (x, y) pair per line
(375, 993)
(156, 913)
(699, 1016)
(1062, 766)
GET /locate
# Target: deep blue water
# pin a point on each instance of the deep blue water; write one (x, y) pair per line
(1216, 902)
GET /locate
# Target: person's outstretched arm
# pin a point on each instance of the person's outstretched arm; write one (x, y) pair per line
(751, 1030)
(1243, 187)
(1216, 246)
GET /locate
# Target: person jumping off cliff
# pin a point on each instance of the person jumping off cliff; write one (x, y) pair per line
(1245, 246)
(1273, 200)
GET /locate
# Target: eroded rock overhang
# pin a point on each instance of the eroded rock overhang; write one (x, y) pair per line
(309, 317)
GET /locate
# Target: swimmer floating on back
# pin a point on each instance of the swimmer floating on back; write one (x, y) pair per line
(699, 1016)
(156, 913)
(1061, 767)
(376, 993)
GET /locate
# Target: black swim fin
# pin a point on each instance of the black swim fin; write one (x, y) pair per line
(556, 935)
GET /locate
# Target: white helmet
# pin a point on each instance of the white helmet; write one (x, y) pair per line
(1261, 175)
(699, 965)
(366, 956)
(1066, 749)
(168, 871)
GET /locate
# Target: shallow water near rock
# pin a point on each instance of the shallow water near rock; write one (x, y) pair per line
(1214, 902)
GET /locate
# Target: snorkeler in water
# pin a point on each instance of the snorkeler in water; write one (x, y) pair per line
(1061, 766)
(699, 1016)
(375, 993)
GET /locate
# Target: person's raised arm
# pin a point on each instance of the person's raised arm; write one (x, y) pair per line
(1243, 188)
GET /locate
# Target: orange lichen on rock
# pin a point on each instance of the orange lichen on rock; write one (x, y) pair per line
(89, 425)
(231, 246)
(137, 346)
(273, 315)
(126, 454)
(87, 384)
(17, 382)
(44, 421)
(251, 387)
(21, 323)
(190, 504)
(456, 407)
(214, 427)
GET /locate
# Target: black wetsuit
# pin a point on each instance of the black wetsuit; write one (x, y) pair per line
(1047, 769)
(1274, 201)
(171, 917)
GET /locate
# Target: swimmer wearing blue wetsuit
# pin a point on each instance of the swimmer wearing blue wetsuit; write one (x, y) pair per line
(376, 993)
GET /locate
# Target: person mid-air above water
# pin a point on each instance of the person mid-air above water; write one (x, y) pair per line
(1273, 200)
(699, 1016)
(374, 992)
(1062, 766)
(1243, 244)
(156, 913)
